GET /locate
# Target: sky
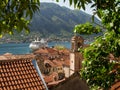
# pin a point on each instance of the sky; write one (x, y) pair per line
(66, 4)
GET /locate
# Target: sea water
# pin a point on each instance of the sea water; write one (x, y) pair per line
(23, 48)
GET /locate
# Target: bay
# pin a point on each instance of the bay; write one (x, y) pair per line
(23, 48)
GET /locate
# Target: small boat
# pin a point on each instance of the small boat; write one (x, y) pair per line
(34, 45)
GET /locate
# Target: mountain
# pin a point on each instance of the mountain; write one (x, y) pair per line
(53, 22)
(57, 20)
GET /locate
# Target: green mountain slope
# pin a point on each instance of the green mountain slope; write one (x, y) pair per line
(53, 22)
(54, 19)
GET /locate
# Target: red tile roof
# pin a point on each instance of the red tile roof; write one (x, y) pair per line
(65, 51)
(51, 77)
(66, 63)
(46, 50)
(51, 63)
(19, 74)
(59, 57)
(51, 81)
(116, 86)
(57, 62)
(8, 56)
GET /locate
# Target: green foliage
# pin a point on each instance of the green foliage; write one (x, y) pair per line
(60, 47)
(97, 64)
(79, 3)
(86, 28)
(15, 15)
(99, 70)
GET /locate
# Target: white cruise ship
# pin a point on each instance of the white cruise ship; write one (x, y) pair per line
(34, 45)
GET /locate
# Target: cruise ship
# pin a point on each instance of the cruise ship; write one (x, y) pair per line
(34, 45)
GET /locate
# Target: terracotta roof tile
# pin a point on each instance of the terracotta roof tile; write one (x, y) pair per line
(57, 62)
(116, 86)
(46, 50)
(50, 62)
(19, 74)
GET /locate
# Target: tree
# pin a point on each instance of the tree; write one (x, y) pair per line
(16, 14)
(101, 65)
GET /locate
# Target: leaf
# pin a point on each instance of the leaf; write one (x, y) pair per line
(93, 5)
(11, 32)
(58, 0)
(83, 4)
(89, 1)
(1, 35)
(75, 2)
(93, 17)
(78, 5)
(27, 31)
(99, 13)
(70, 2)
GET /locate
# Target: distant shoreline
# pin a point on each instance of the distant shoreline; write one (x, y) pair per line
(23, 48)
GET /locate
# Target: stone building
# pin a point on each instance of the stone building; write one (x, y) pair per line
(75, 56)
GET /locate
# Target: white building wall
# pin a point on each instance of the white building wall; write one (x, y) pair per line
(72, 63)
(66, 71)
